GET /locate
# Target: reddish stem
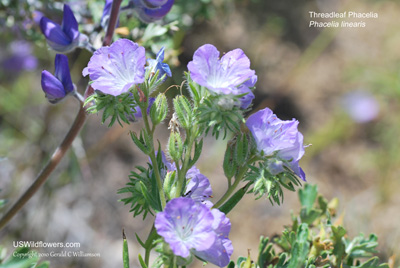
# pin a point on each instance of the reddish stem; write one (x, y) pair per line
(69, 138)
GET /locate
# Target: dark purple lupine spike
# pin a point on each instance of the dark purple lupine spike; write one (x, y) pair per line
(57, 86)
(61, 38)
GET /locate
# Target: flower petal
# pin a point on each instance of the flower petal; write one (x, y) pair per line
(52, 87)
(148, 15)
(62, 72)
(53, 32)
(69, 24)
(115, 69)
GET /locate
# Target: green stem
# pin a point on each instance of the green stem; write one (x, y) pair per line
(182, 172)
(232, 188)
(154, 161)
(149, 245)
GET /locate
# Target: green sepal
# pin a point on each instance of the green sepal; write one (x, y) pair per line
(175, 146)
(229, 164)
(184, 111)
(241, 150)
(159, 109)
(169, 183)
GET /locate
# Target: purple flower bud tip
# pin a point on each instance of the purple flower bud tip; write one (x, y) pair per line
(158, 65)
(152, 10)
(61, 38)
(190, 227)
(59, 85)
(273, 135)
(115, 69)
(361, 106)
(229, 75)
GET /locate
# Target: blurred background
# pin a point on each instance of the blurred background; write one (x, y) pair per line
(342, 84)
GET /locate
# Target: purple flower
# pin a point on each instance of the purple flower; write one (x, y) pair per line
(115, 69)
(158, 65)
(190, 227)
(186, 225)
(21, 58)
(152, 10)
(229, 75)
(273, 135)
(361, 106)
(221, 250)
(198, 188)
(62, 38)
(59, 85)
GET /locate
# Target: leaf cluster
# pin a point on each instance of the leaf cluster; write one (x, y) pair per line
(120, 108)
(265, 183)
(143, 190)
(314, 241)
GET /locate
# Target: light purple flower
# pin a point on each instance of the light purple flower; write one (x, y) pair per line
(59, 85)
(361, 106)
(186, 225)
(221, 250)
(158, 65)
(115, 69)
(273, 135)
(62, 38)
(229, 75)
(152, 10)
(190, 227)
(199, 187)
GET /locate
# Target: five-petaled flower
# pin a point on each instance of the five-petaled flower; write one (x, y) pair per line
(152, 10)
(190, 227)
(229, 75)
(59, 85)
(62, 38)
(115, 69)
(273, 135)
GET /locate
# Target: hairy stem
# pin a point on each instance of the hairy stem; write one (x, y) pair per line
(69, 138)
(153, 159)
(182, 172)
